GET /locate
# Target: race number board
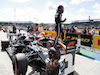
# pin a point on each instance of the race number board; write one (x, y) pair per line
(68, 57)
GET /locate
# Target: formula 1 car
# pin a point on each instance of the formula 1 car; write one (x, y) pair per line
(23, 55)
(37, 58)
(17, 45)
(30, 53)
(47, 41)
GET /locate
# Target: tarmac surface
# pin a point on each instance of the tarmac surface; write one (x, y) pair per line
(83, 65)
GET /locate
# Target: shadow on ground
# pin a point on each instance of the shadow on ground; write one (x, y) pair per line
(75, 73)
(43, 73)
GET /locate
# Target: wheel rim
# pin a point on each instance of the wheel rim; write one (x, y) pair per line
(52, 54)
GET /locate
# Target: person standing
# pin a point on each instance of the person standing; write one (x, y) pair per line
(39, 28)
(14, 28)
(42, 28)
(28, 27)
(93, 31)
(36, 28)
(84, 30)
(67, 29)
(58, 22)
(87, 31)
(10, 29)
(99, 30)
(73, 30)
(19, 29)
(76, 29)
(50, 29)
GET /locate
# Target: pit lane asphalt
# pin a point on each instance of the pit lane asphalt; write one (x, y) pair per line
(83, 65)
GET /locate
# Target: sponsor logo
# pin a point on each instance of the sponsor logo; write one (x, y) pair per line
(75, 38)
(71, 43)
(98, 41)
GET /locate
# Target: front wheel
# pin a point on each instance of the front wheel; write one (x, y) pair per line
(54, 53)
(19, 64)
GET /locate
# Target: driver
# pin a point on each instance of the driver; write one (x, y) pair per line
(58, 21)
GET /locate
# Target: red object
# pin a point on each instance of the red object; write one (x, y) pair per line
(42, 34)
(0, 27)
(87, 32)
(36, 28)
(71, 43)
(31, 34)
(6, 31)
(79, 34)
(99, 42)
(38, 40)
(21, 29)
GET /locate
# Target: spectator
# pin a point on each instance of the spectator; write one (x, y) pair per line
(31, 28)
(42, 28)
(99, 30)
(88, 31)
(39, 28)
(73, 30)
(14, 28)
(10, 29)
(93, 31)
(76, 29)
(67, 29)
(19, 29)
(84, 30)
(52, 68)
(36, 29)
(28, 30)
(50, 29)
(63, 28)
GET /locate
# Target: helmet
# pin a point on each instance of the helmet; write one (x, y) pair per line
(60, 9)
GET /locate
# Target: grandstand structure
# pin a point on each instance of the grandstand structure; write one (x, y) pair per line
(88, 23)
(18, 23)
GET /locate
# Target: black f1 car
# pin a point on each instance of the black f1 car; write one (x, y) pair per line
(29, 52)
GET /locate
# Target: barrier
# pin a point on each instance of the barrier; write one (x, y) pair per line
(86, 40)
(52, 33)
(96, 41)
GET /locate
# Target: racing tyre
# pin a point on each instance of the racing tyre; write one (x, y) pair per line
(4, 44)
(19, 64)
(49, 44)
(53, 53)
